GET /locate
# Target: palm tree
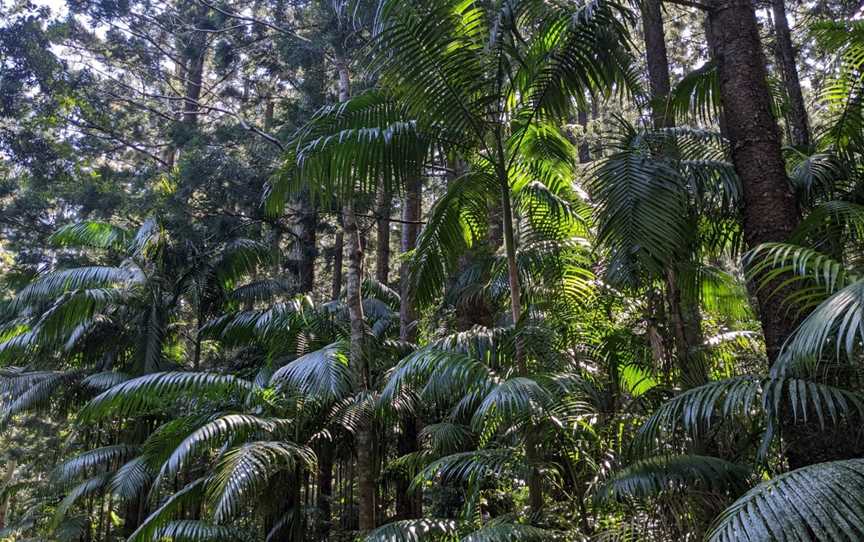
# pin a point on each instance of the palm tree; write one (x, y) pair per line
(85, 329)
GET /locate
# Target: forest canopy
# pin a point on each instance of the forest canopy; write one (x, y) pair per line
(431, 270)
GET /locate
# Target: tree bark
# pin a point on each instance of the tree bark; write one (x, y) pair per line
(684, 317)
(411, 213)
(364, 436)
(770, 210)
(657, 61)
(382, 225)
(304, 218)
(194, 78)
(799, 126)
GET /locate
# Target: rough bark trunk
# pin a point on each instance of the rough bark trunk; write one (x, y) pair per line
(411, 213)
(382, 226)
(799, 126)
(770, 210)
(194, 78)
(657, 62)
(304, 218)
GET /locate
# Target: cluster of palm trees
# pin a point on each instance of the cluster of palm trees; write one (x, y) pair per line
(523, 353)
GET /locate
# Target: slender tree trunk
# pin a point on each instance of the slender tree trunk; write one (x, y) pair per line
(512, 266)
(324, 498)
(382, 224)
(411, 213)
(408, 505)
(364, 436)
(684, 318)
(338, 251)
(8, 477)
(584, 150)
(799, 126)
(535, 488)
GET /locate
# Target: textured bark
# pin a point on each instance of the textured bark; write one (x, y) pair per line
(799, 126)
(382, 226)
(770, 210)
(304, 218)
(657, 62)
(194, 77)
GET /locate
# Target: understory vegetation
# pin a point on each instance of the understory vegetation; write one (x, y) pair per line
(431, 270)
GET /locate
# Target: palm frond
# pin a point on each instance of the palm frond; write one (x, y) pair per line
(155, 390)
(196, 531)
(108, 457)
(413, 530)
(159, 518)
(650, 477)
(818, 502)
(92, 234)
(243, 471)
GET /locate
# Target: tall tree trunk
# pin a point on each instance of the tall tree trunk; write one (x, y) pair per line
(408, 505)
(194, 79)
(770, 210)
(338, 252)
(657, 62)
(382, 224)
(324, 497)
(684, 318)
(365, 434)
(304, 218)
(8, 476)
(796, 117)
(532, 455)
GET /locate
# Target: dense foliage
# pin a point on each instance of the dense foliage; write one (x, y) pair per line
(409, 270)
